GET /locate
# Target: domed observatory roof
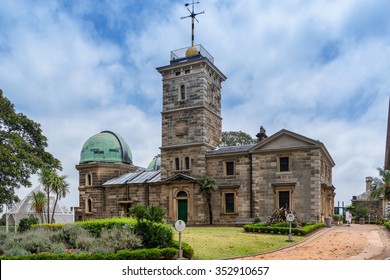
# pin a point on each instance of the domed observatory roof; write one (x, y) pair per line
(155, 164)
(106, 147)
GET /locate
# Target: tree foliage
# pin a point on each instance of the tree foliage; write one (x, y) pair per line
(381, 186)
(22, 151)
(236, 138)
(207, 188)
(53, 183)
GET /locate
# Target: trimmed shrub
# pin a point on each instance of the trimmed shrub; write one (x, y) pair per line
(154, 235)
(262, 228)
(141, 254)
(53, 227)
(188, 251)
(26, 223)
(95, 226)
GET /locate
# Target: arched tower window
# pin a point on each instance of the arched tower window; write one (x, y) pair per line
(177, 163)
(88, 179)
(182, 95)
(88, 205)
(187, 163)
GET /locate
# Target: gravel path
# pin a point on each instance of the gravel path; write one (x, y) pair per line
(354, 242)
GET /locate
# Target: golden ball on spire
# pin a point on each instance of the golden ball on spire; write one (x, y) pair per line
(192, 51)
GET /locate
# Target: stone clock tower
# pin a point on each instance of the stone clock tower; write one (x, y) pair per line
(191, 113)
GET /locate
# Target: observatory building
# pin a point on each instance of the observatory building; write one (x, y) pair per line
(283, 170)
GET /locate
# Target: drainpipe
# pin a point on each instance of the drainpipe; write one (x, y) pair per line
(147, 193)
(250, 185)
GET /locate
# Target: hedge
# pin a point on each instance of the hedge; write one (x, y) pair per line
(387, 225)
(94, 226)
(262, 228)
(188, 251)
(141, 254)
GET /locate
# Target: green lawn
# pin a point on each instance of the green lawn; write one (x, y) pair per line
(211, 243)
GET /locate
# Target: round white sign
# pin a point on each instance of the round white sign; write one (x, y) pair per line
(290, 217)
(180, 225)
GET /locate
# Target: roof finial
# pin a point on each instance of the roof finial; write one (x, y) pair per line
(193, 16)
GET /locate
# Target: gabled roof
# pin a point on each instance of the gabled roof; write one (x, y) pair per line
(282, 140)
(180, 178)
(287, 140)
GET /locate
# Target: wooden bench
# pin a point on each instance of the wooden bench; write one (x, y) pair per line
(243, 221)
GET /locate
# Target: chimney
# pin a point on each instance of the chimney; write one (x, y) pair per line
(368, 183)
(261, 135)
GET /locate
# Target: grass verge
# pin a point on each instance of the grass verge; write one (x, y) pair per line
(211, 243)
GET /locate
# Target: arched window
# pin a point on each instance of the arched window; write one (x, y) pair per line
(177, 163)
(182, 92)
(88, 179)
(182, 194)
(88, 205)
(187, 163)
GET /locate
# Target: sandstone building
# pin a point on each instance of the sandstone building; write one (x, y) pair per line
(283, 170)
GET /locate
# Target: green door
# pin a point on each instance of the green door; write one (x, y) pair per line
(182, 206)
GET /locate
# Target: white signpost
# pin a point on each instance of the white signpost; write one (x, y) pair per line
(290, 218)
(180, 227)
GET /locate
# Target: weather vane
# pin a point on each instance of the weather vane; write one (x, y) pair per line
(193, 16)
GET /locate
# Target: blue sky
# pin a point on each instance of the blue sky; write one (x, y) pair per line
(318, 68)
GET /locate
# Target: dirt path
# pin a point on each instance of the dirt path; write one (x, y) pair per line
(355, 242)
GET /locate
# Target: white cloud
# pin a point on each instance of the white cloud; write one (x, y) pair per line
(318, 68)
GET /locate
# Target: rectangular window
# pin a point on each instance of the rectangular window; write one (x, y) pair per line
(229, 203)
(284, 199)
(229, 168)
(182, 92)
(284, 164)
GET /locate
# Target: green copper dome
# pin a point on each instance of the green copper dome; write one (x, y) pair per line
(155, 164)
(106, 146)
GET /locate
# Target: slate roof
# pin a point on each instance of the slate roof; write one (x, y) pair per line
(231, 149)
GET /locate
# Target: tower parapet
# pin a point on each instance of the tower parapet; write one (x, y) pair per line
(190, 53)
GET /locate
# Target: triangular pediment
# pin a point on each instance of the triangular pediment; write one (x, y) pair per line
(180, 178)
(285, 139)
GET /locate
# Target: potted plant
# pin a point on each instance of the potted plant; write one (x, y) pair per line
(337, 218)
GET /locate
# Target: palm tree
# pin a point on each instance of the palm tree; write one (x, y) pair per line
(45, 178)
(52, 182)
(61, 188)
(38, 203)
(381, 186)
(206, 188)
